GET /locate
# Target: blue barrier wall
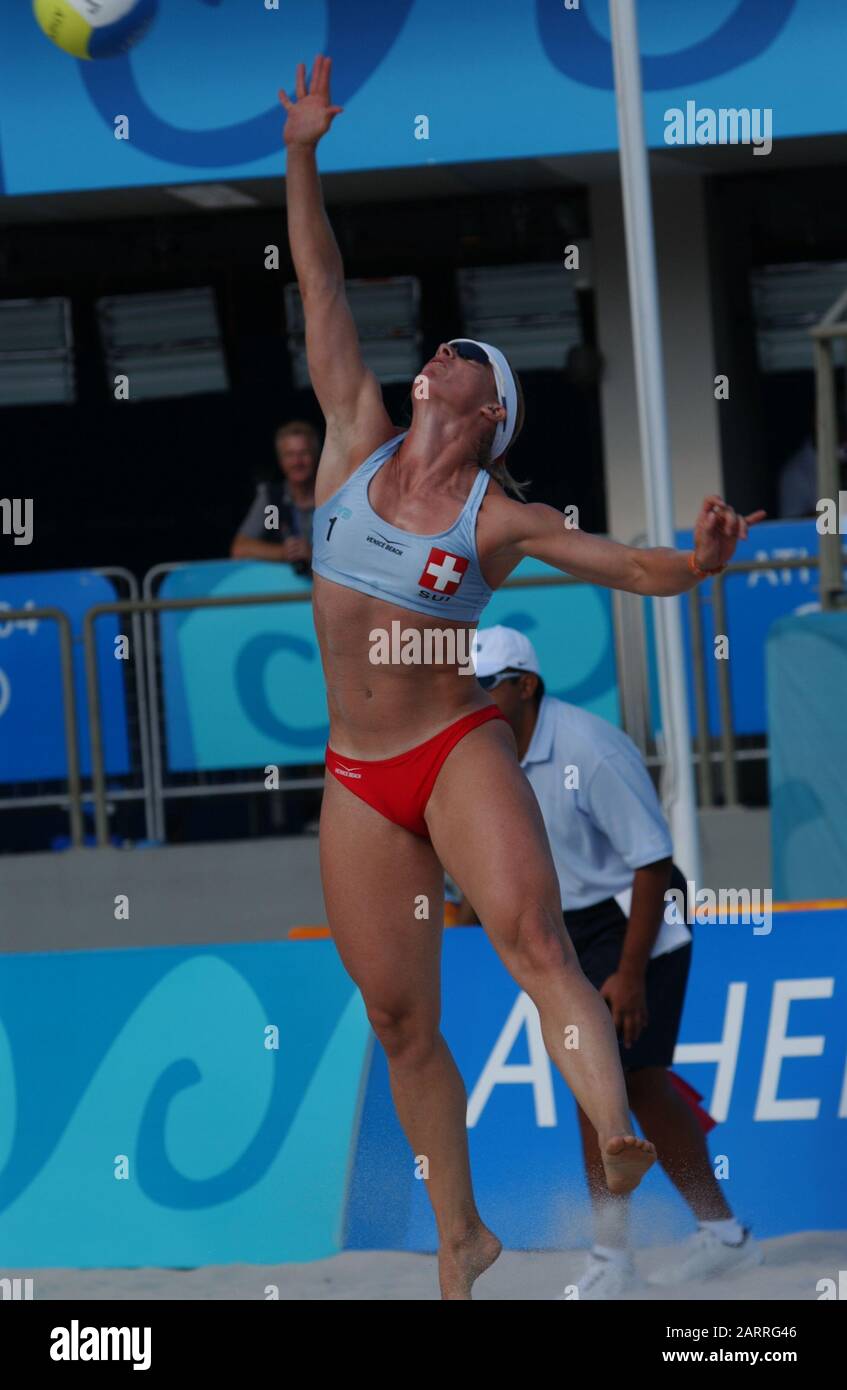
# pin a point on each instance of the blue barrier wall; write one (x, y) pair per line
(32, 730)
(200, 90)
(241, 1153)
(244, 687)
(807, 704)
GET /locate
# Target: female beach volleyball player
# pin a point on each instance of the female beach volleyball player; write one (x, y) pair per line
(416, 527)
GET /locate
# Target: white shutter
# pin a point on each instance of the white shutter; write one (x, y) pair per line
(167, 344)
(529, 312)
(36, 352)
(387, 317)
(788, 300)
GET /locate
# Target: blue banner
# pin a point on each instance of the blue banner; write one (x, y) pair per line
(244, 687)
(763, 1039)
(199, 90)
(198, 1109)
(221, 1104)
(32, 729)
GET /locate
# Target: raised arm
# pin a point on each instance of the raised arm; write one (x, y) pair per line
(348, 393)
(540, 531)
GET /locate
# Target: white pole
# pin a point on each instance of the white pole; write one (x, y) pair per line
(678, 781)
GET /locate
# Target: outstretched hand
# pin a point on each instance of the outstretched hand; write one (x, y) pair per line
(311, 115)
(718, 530)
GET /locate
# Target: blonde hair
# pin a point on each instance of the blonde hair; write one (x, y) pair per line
(300, 427)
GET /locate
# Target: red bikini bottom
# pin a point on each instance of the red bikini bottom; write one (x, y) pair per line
(400, 787)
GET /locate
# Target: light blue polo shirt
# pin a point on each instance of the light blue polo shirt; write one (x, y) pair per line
(599, 805)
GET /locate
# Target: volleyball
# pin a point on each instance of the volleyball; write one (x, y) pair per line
(94, 28)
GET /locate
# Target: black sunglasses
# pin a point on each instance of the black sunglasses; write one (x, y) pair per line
(471, 352)
(489, 682)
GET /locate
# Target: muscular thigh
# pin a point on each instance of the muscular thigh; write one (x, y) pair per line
(488, 831)
(375, 875)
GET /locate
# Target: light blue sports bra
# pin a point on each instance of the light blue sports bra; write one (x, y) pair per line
(431, 574)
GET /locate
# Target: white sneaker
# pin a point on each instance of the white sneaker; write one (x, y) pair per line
(705, 1255)
(604, 1278)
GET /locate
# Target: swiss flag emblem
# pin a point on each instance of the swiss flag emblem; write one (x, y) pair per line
(443, 571)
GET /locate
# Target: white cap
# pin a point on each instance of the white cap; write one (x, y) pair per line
(507, 392)
(499, 648)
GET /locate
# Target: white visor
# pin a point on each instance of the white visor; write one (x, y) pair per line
(507, 392)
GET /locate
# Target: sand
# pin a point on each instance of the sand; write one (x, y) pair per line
(791, 1269)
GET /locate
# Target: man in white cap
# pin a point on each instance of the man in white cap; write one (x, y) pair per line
(613, 855)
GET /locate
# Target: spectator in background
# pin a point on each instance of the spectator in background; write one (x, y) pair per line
(297, 450)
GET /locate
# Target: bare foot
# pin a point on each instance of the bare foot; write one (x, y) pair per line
(459, 1264)
(626, 1160)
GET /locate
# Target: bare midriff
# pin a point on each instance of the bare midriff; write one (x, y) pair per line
(379, 710)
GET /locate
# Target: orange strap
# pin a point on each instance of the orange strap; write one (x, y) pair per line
(702, 574)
